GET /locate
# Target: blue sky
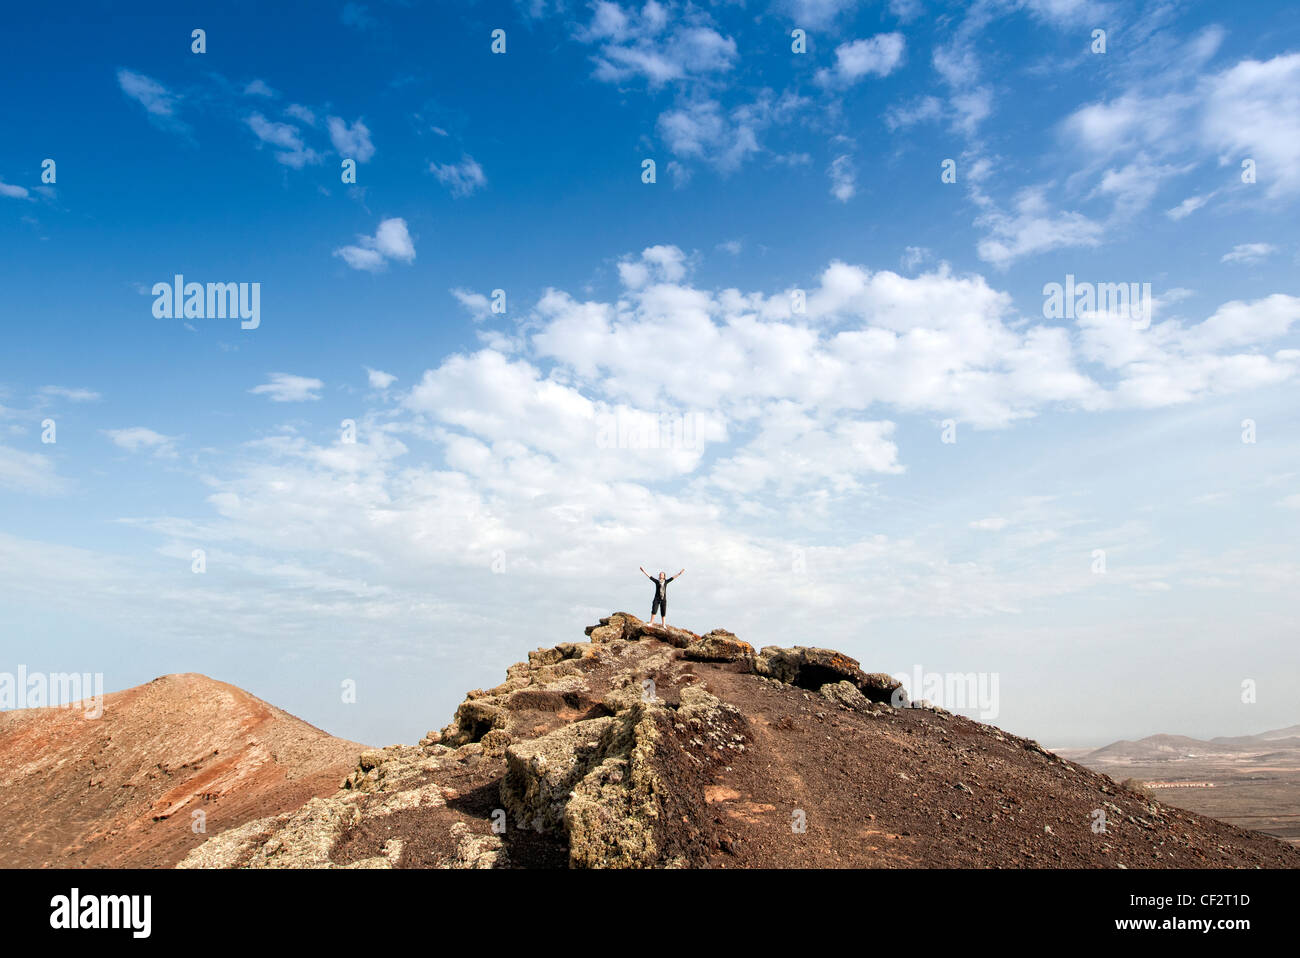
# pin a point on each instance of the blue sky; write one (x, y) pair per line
(810, 494)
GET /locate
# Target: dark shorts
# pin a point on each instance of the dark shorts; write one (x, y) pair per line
(659, 606)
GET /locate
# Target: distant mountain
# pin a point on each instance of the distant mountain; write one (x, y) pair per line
(1277, 735)
(1166, 748)
(121, 790)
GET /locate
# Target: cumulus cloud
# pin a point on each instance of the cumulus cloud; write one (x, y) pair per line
(702, 129)
(655, 263)
(938, 344)
(658, 43)
(380, 379)
(285, 387)
(353, 141)
(391, 241)
(873, 56)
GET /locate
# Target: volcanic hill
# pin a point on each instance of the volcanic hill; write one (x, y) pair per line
(121, 790)
(648, 746)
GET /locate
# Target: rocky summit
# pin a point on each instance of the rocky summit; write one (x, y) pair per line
(646, 746)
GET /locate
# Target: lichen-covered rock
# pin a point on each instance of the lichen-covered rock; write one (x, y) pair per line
(614, 810)
(846, 694)
(474, 718)
(719, 646)
(475, 851)
(541, 772)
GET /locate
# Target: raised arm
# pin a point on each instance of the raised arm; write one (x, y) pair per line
(644, 573)
(679, 574)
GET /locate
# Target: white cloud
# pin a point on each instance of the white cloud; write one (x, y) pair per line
(259, 87)
(30, 472)
(1133, 186)
(1033, 228)
(702, 129)
(462, 178)
(138, 438)
(352, 142)
(71, 394)
(817, 13)
(1189, 206)
(14, 192)
(1248, 253)
(665, 264)
(1250, 110)
(935, 344)
(1253, 110)
(380, 379)
(300, 112)
(391, 241)
(157, 100)
(914, 256)
(921, 110)
(873, 56)
(293, 152)
(657, 43)
(843, 178)
(285, 387)
(478, 305)
(362, 258)
(906, 10)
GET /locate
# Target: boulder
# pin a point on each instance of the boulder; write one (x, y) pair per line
(846, 694)
(719, 646)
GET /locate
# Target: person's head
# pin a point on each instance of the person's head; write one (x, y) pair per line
(662, 576)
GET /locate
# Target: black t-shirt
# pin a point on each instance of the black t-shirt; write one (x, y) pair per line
(661, 588)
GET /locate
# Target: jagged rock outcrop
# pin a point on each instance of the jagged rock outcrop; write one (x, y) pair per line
(658, 747)
(812, 668)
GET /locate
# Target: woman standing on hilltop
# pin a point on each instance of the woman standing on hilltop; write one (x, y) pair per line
(660, 604)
